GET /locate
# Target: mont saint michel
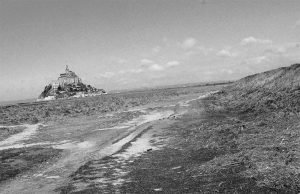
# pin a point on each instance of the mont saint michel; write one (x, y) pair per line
(68, 85)
(203, 96)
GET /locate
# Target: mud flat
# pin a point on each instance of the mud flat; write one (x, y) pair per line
(108, 174)
(46, 158)
(76, 153)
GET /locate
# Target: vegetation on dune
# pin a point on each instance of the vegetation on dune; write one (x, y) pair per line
(266, 125)
(245, 141)
(276, 92)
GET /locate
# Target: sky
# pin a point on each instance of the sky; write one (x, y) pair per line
(123, 44)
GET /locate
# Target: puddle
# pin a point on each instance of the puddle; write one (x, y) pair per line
(53, 177)
(208, 94)
(74, 145)
(137, 147)
(186, 103)
(22, 145)
(10, 126)
(152, 116)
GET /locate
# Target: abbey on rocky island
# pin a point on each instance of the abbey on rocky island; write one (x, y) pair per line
(68, 85)
(69, 77)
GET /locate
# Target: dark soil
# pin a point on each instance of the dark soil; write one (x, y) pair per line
(6, 132)
(16, 161)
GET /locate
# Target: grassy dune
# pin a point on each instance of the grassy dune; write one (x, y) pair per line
(245, 139)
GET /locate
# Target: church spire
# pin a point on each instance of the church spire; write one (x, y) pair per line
(67, 69)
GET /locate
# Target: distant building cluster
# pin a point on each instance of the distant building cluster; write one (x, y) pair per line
(69, 77)
(68, 85)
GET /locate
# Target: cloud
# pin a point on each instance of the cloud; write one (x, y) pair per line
(257, 60)
(130, 71)
(151, 65)
(226, 53)
(156, 49)
(252, 40)
(196, 51)
(146, 61)
(297, 24)
(135, 70)
(260, 59)
(172, 63)
(227, 71)
(189, 43)
(107, 74)
(121, 61)
(204, 50)
(156, 67)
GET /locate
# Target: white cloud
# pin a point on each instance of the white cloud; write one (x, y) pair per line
(227, 71)
(107, 74)
(121, 61)
(151, 65)
(121, 72)
(258, 60)
(226, 53)
(146, 61)
(130, 71)
(297, 23)
(156, 67)
(252, 40)
(204, 50)
(189, 43)
(156, 49)
(275, 50)
(135, 70)
(172, 63)
(197, 51)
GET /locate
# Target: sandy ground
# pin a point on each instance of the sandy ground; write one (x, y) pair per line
(85, 142)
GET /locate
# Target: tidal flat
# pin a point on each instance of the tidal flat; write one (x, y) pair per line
(195, 139)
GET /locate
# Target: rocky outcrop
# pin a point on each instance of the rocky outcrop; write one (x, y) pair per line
(46, 92)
